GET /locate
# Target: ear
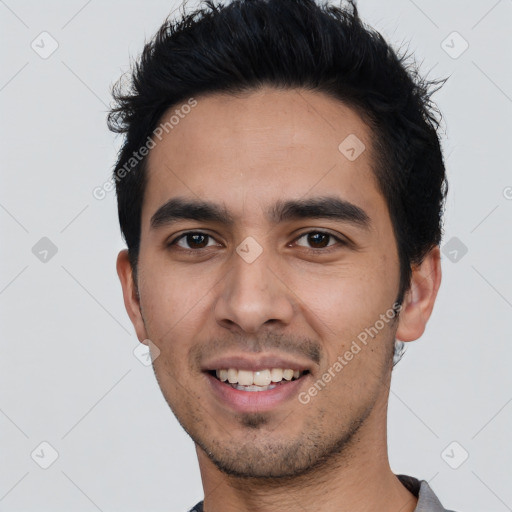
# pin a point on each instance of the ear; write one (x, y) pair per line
(419, 299)
(131, 299)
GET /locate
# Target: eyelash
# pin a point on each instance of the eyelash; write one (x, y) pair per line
(323, 250)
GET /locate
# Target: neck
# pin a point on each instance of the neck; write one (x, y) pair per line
(358, 478)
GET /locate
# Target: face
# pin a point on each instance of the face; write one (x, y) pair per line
(264, 247)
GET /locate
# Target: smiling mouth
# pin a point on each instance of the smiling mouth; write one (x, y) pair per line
(261, 380)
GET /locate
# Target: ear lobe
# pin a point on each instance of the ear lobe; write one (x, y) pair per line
(419, 299)
(130, 296)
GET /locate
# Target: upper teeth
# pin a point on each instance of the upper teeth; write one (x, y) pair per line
(258, 378)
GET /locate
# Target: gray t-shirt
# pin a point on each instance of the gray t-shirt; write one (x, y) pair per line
(427, 500)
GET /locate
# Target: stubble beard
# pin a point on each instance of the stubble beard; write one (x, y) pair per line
(258, 459)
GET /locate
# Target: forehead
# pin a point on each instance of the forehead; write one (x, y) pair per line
(262, 147)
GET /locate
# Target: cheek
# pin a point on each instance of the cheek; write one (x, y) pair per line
(348, 297)
(176, 306)
(167, 304)
(344, 308)
(168, 291)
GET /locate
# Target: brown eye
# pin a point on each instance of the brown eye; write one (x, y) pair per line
(318, 239)
(192, 240)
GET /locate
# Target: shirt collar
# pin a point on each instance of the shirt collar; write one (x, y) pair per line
(427, 500)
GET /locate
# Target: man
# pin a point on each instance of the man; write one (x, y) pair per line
(280, 190)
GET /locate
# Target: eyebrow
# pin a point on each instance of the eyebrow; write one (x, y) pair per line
(328, 207)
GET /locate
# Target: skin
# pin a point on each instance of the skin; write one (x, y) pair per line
(246, 152)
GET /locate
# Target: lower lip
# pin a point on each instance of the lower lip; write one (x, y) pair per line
(255, 401)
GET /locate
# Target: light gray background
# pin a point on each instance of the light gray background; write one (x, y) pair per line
(68, 374)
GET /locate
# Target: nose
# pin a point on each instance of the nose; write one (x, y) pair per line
(253, 295)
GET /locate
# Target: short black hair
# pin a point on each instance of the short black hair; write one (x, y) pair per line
(244, 45)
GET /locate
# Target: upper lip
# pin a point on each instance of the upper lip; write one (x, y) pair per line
(255, 363)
